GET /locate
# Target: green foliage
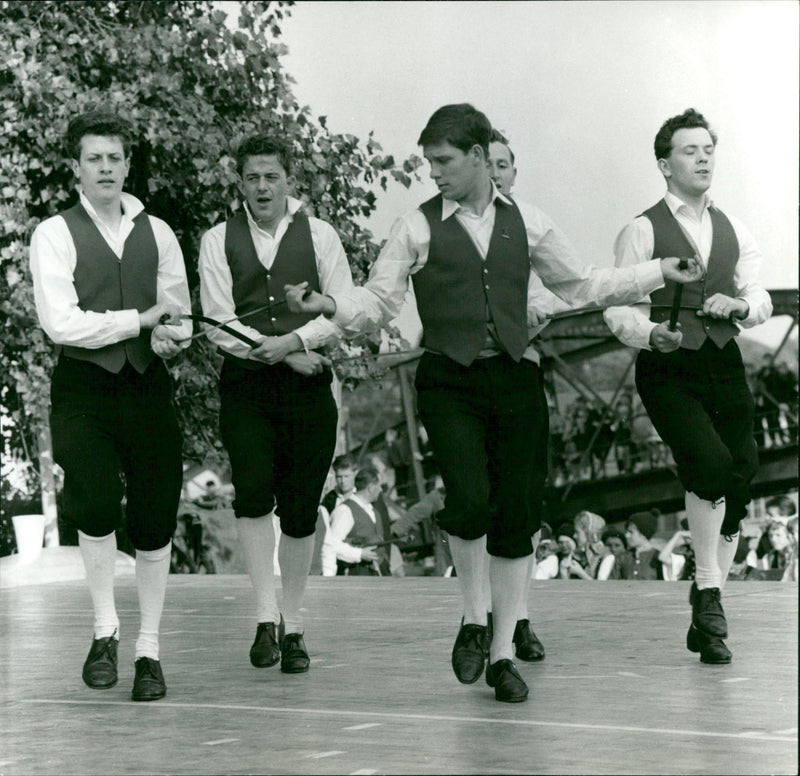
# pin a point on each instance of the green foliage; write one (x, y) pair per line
(192, 86)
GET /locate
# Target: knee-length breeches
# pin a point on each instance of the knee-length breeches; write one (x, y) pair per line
(279, 428)
(701, 406)
(488, 427)
(108, 426)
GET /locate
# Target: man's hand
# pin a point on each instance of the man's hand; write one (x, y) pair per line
(663, 339)
(671, 270)
(721, 306)
(170, 313)
(166, 341)
(369, 554)
(272, 350)
(302, 300)
(307, 363)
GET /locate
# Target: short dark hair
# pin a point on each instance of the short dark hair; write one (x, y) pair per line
(263, 145)
(687, 120)
(461, 125)
(344, 461)
(615, 532)
(497, 137)
(102, 122)
(365, 477)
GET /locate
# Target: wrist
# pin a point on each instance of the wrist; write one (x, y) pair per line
(329, 306)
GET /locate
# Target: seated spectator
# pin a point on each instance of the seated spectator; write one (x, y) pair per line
(595, 560)
(677, 557)
(617, 545)
(780, 509)
(546, 560)
(568, 565)
(639, 529)
(774, 562)
(354, 544)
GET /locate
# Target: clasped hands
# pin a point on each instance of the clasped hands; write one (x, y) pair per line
(289, 349)
(165, 337)
(663, 339)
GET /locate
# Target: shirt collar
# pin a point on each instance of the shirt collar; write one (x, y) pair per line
(292, 206)
(363, 503)
(450, 206)
(131, 206)
(675, 203)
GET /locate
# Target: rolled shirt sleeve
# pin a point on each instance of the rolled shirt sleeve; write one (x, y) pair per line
(53, 258)
(341, 524)
(216, 287)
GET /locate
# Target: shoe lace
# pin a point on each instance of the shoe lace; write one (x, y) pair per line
(106, 646)
(291, 642)
(146, 667)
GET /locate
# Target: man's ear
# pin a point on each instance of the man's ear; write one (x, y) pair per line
(663, 165)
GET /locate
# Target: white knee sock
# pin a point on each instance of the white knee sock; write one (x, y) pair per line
(522, 614)
(99, 557)
(472, 571)
(152, 570)
(257, 542)
(510, 579)
(725, 552)
(295, 559)
(705, 519)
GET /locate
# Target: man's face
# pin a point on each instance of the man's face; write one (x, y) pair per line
(690, 165)
(501, 168)
(345, 479)
(634, 536)
(101, 168)
(457, 173)
(265, 186)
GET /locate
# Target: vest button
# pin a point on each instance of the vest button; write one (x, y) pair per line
(272, 299)
(273, 319)
(485, 271)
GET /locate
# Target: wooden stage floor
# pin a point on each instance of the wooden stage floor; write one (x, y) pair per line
(617, 694)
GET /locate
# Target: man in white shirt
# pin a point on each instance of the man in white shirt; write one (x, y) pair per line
(104, 275)
(350, 546)
(471, 252)
(690, 375)
(277, 415)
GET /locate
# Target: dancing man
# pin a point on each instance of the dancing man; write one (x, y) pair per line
(689, 371)
(277, 416)
(471, 251)
(104, 274)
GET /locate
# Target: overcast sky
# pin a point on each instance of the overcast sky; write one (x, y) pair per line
(580, 89)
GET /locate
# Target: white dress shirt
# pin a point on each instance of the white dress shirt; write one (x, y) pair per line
(552, 258)
(335, 547)
(634, 244)
(54, 257)
(216, 282)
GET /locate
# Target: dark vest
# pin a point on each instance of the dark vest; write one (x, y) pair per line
(365, 533)
(255, 286)
(104, 282)
(458, 293)
(669, 240)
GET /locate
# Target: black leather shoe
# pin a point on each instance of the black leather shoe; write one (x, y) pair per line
(469, 653)
(148, 684)
(527, 645)
(707, 613)
(712, 649)
(294, 658)
(509, 686)
(265, 651)
(100, 666)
